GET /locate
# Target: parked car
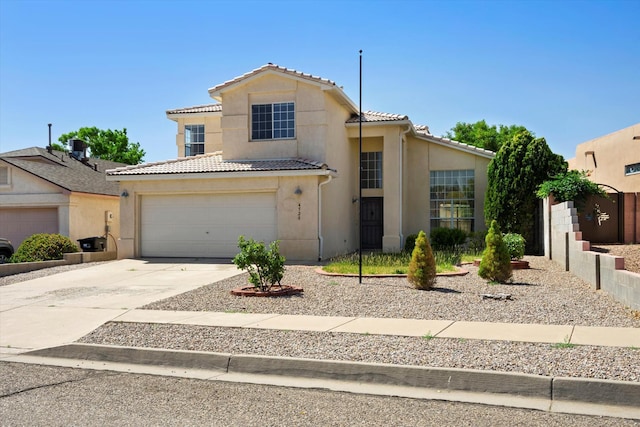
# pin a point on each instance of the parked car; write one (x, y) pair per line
(6, 250)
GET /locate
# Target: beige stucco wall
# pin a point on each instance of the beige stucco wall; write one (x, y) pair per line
(212, 131)
(611, 153)
(421, 157)
(297, 220)
(87, 217)
(339, 213)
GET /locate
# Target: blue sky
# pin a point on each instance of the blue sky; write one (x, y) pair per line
(567, 70)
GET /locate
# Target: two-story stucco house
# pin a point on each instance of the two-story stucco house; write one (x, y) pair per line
(277, 157)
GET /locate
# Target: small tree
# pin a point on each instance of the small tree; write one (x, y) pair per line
(422, 268)
(107, 144)
(513, 176)
(496, 261)
(265, 267)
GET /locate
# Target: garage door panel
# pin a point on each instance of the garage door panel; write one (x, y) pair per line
(18, 224)
(204, 225)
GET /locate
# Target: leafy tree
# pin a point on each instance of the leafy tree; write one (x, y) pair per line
(480, 134)
(496, 261)
(108, 144)
(422, 268)
(572, 185)
(514, 175)
(59, 147)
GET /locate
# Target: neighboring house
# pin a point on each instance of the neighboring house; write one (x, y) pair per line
(613, 159)
(277, 158)
(48, 191)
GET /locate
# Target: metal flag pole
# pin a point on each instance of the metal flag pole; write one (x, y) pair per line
(360, 176)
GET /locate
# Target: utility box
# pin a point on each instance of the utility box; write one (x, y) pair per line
(93, 244)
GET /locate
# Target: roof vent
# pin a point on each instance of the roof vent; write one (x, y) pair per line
(78, 149)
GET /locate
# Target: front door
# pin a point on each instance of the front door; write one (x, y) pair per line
(372, 208)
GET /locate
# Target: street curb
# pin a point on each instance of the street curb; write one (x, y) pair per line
(622, 394)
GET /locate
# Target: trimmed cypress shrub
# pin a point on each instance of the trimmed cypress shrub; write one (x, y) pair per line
(422, 268)
(496, 261)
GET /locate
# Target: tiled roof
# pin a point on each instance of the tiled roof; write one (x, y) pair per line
(64, 171)
(374, 116)
(271, 66)
(209, 108)
(214, 163)
(461, 145)
(422, 129)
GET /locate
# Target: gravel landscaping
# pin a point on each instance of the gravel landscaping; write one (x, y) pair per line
(544, 294)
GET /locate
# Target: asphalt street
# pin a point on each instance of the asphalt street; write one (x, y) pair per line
(55, 396)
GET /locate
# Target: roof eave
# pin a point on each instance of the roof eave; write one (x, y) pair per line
(176, 116)
(222, 175)
(382, 123)
(457, 145)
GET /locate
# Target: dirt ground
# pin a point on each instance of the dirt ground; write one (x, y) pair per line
(631, 254)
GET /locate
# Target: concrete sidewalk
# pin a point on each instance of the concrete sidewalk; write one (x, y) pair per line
(536, 333)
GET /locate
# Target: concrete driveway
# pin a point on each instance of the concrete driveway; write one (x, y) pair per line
(61, 308)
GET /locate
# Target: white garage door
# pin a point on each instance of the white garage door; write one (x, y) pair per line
(18, 224)
(204, 225)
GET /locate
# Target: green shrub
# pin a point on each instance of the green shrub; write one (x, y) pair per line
(422, 268)
(410, 242)
(265, 267)
(447, 238)
(44, 247)
(496, 262)
(477, 241)
(515, 245)
(572, 185)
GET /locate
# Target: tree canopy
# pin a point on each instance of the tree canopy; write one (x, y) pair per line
(480, 134)
(108, 144)
(514, 175)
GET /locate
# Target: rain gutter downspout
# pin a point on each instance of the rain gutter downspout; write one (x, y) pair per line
(400, 186)
(320, 238)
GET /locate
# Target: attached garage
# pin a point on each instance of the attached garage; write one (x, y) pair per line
(19, 223)
(204, 225)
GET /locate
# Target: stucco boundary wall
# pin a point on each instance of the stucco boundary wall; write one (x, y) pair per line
(563, 244)
(71, 258)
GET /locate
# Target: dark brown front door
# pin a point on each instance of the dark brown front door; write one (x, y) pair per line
(372, 208)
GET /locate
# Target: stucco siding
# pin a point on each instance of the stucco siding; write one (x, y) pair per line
(605, 158)
(87, 217)
(296, 214)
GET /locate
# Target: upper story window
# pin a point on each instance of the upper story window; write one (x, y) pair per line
(452, 199)
(273, 121)
(193, 140)
(4, 175)
(371, 172)
(632, 169)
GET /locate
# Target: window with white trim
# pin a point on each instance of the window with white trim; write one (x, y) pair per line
(193, 140)
(371, 172)
(273, 121)
(452, 199)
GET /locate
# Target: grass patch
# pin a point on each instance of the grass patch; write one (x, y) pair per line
(381, 263)
(565, 344)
